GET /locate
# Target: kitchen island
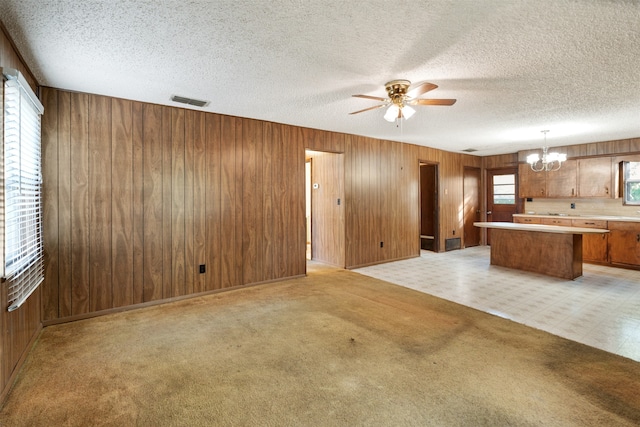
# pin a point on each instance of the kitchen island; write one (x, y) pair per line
(547, 249)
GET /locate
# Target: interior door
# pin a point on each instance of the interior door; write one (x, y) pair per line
(502, 203)
(471, 190)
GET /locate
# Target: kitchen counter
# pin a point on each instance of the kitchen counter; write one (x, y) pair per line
(587, 217)
(553, 250)
(558, 229)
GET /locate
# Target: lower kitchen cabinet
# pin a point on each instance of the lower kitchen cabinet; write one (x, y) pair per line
(624, 243)
(594, 246)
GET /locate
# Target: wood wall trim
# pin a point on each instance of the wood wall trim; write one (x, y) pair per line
(147, 304)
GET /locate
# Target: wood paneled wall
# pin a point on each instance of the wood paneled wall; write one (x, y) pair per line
(138, 196)
(20, 327)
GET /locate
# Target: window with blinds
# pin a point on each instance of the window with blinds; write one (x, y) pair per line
(21, 190)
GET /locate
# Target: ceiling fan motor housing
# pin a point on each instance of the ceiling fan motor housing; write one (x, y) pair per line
(397, 90)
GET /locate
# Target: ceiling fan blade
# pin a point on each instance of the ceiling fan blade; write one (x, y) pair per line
(433, 101)
(421, 89)
(377, 98)
(370, 108)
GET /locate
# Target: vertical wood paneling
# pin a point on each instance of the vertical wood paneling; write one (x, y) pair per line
(238, 202)
(100, 223)
(196, 216)
(167, 203)
(178, 200)
(79, 203)
(279, 201)
(137, 139)
(213, 202)
(268, 236)
(252, 190)
(229, 221)
(350, 196)
(152, 203)
(297, 251)
(50, 208)
(122, 202)
(64, 238)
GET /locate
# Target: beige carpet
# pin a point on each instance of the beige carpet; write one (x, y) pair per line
(332, 349)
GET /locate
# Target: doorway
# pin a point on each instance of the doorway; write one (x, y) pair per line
(502, 201)
(325, 207)
(429, 225)
(471, 206)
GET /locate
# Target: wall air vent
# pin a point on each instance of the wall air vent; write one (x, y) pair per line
(194, 102)
(469, 150)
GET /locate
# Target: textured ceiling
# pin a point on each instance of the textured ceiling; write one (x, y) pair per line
(516, 67)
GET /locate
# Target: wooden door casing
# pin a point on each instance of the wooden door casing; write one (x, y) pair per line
(471, 192)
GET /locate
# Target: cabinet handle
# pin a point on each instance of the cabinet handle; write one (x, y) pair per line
(637, 237)
(590, 223)
(606, 190)
(573, 191)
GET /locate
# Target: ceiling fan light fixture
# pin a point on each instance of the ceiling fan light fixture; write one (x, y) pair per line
(392, 113)
(407, 112)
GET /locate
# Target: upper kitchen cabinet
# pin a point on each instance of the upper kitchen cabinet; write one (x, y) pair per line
(597, 177)
(563, 183)
(530, 183)
(559, 184)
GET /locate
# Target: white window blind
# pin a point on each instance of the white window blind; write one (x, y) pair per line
(21, 190)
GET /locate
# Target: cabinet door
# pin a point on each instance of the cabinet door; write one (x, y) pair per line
(596, 177)
(563, 182)
(624, 243)
(594, 246)
(530, 183)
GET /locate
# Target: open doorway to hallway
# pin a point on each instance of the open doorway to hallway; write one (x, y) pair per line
(429, 225)
(325, 207)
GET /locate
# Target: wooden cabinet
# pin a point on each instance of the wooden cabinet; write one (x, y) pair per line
(559, 184)
(530, 183)
(597, 177)
(594, 246)
(526, 220)
(563, 182)
(624, 243)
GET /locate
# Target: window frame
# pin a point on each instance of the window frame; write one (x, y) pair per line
(21, 222)
(627, 180)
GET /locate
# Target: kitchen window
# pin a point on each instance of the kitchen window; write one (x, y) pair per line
(631, 173)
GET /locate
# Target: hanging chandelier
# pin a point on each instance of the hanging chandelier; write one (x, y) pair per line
(549, 161)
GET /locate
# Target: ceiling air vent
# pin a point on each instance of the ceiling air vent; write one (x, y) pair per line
(469, 150)
(194, 102)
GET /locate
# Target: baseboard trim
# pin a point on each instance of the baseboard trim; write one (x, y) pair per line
(18, 367)
(83, 316)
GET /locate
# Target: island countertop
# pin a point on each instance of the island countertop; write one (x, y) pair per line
(540, 228)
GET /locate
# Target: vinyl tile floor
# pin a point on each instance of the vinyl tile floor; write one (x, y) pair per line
(601, 308)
